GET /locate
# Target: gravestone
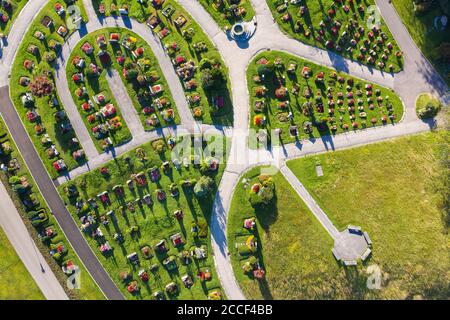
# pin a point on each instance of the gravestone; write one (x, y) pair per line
(319, 170)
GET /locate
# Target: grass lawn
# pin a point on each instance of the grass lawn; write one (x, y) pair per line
(12, 13)
(423, 30)
(294, 249)
(151, 223)
(215, 104)
(306, 28)
(18, 168)
(269, 71)
(222, 15)
(140, 96)
(14, 275)
(136, 10)
(43, 106)
(396, 191)
(427, 100)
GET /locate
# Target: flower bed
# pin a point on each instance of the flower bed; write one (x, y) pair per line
(228, 12)
(340, 26)
(146, 219)
(33, 93)
(42, 226)
(199, 65)
(299, 99)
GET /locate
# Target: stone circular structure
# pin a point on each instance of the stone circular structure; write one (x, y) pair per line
(352, 244)
(238, 29)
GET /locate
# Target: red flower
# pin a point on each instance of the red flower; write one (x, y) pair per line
(255, 188)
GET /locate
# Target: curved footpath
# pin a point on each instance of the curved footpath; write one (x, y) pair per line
(408, 84)
(54, 202)
(26, 249)
(15, 36)
(131, 118)
(37, 169)
(10, 219)
(418, 76)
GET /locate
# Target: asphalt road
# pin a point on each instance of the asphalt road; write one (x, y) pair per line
(417, 77)
(53, 199)
(26, 249)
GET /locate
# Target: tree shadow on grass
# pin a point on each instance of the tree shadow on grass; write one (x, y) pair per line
(262, 283)
(225, 115)
(189, 195)
(356, 282)
(267, 214)
(265, 290)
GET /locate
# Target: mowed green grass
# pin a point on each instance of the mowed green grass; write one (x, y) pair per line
(45, 111)
(219, 16)
(15, 281)
(155, 223)
(296, 102)
(421, 28)
(102, 85)
(141, 13)
(317, 11)
(391, 190)
(295, 249)
(17, 6)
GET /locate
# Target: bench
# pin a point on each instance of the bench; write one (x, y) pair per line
(350, 263)
(366, 254)
(366, 236)
(354, 229)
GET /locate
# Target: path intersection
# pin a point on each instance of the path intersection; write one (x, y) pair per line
(418, 76)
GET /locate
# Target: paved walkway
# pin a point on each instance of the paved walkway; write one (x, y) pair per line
(310, 202)
(418, 76)
(54, 201)
(237, 56)
(114, 80)
(26, 249)
(125, 103)
(15, 36)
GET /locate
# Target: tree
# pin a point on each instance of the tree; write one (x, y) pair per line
(132, 74)
(205, 63)
(41, 86)
(14, 180)
(20, 189)
(429, 111)
(211, 77)
(217, 74)
(264, 194)
(207, 79)
(264, 69)
(203, 186)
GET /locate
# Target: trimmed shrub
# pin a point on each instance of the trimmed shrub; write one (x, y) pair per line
(203, 186)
